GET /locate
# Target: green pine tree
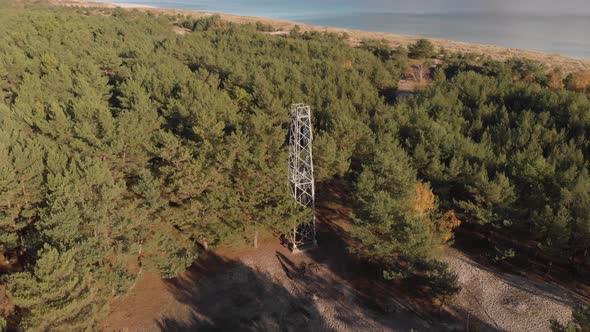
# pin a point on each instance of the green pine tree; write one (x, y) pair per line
(56, 295)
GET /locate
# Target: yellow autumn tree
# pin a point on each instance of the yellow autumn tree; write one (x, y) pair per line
(447, 224)
(424, 200)
(424, 204)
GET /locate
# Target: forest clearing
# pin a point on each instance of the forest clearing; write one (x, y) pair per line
(327, 290)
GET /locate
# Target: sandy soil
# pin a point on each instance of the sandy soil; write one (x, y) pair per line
(269, 289)
(508, 302)
(264, 290)
(566, 64)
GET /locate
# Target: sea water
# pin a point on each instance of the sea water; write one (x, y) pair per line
(555, 27)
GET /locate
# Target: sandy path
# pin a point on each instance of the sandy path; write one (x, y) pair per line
(508, 302)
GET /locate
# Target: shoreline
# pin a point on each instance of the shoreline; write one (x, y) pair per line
(567, 64)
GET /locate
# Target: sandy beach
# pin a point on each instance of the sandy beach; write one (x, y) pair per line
(565, 63)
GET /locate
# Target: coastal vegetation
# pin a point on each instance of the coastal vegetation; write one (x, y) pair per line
(127, 147)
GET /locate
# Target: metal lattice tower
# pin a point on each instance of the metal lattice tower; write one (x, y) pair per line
(303, 235)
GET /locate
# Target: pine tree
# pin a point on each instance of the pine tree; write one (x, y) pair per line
(21, 187)
(491, 199)
(385, 193)
(579, 207)
(56, 294)
(422, 49)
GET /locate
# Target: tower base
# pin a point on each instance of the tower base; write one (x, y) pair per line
(303, 247)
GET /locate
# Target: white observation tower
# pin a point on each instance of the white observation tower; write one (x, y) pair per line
(303, 235)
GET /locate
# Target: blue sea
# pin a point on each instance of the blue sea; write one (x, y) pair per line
(555, 27)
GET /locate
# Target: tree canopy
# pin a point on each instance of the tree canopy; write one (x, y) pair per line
(125, 147)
